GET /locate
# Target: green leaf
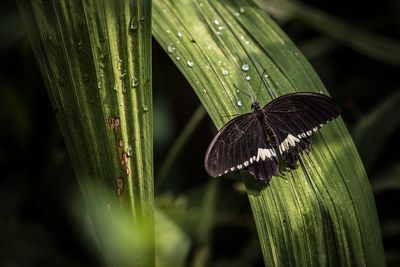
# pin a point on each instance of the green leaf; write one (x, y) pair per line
(95, 60)
(374, 128)
(378, 47)
(321, 213)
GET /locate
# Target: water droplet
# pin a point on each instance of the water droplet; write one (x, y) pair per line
(133, 25)
(247, 42)
(201, 4)
(245, 67)
(129, 151)
(209, 46)
(179, 34)
(80, 45)
(135, 82)
(168, 31)
(171, 48)
(219, 33)
(99, 85)
(220, 28)
(178, 58)
(145, 108)
(241, 10)
(225, 72)
(248, 78)
(204, 90)
(115, 88)
(217, 22)
(190, 63)
(239, 103)
(237, 14)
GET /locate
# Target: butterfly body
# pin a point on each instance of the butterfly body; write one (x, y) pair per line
(284, 126)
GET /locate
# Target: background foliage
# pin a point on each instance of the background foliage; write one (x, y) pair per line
(39, 222)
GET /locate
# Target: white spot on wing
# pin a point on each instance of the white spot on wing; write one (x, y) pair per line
(264, 153)
(246, 163)
(239, 166)
(288, 142)
(233, 168)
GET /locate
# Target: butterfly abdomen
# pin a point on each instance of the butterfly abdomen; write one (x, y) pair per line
(269, 132)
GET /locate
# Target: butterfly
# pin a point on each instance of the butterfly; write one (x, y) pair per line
(252, 141)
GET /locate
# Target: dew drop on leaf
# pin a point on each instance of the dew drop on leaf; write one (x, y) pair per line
(189, 63)
(129, 151)
(135, 82)
(245, 67)
(171, 48)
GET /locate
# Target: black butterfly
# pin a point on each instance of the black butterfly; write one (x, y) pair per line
(285, 126)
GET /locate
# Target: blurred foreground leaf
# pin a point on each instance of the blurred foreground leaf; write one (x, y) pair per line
(323, 213)
(95, 60)
(172, 244)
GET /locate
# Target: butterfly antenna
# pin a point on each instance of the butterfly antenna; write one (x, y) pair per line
(237, 88)
(272, 94)
(261, 80)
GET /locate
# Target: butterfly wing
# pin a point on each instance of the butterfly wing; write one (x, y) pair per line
(241, 144)
(295, 118)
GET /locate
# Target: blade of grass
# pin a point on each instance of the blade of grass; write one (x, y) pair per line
(323, 212)
(205, 225)
(374, 128)
(378, 47)
(179, 143)
(95, 60)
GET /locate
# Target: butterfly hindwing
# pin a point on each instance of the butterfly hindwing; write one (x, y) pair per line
(241, 144)
(295, 118)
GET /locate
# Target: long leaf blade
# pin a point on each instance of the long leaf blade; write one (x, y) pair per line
(324, 211)
(95, 60)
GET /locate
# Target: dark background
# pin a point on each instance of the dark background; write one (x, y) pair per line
(38, 226)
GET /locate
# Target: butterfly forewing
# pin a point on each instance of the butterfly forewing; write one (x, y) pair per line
(294, 118)
(241, 144)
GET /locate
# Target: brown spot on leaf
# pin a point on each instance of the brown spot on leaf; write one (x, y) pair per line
(121, 143)
(124, 158)
(114, 123)
(120, 186)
